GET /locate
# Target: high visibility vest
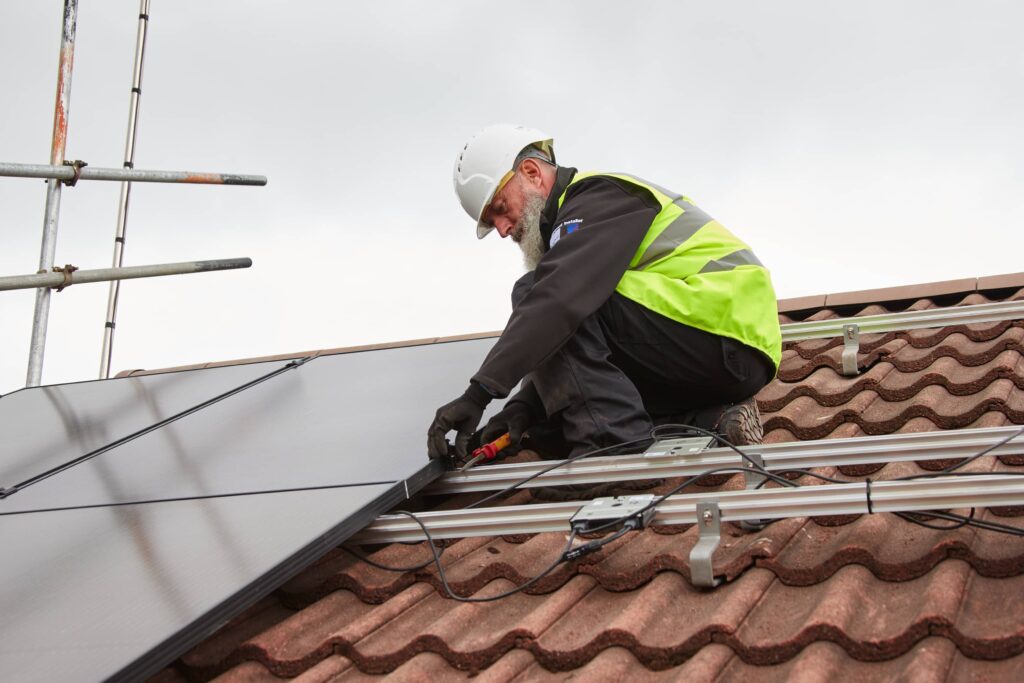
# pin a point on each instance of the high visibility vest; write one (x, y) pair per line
(691, 269)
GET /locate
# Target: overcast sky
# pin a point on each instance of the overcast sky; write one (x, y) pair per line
(853, 145)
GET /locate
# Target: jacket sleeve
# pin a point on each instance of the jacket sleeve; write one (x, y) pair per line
(598, 229)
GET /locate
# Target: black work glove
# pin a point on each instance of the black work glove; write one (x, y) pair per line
(514, 418)
(463, 415)
(522, 410)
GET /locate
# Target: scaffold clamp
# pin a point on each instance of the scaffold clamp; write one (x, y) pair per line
(77, 165)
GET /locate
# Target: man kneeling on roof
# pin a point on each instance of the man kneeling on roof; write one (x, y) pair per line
(638, 308)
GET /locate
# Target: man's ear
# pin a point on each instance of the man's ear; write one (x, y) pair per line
(538, 174)
(531, 170)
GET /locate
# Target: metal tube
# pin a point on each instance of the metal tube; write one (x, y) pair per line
(864, 450)
(110, 322)
(51, 280)
(907, 320)
(48, 249)
(938, 493)
(61, 172)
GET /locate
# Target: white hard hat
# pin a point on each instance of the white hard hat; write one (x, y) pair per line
(485, 163)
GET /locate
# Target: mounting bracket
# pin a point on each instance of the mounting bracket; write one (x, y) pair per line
(709, 523)
(851, 345)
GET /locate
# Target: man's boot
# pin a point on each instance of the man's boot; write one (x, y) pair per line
(740, 424)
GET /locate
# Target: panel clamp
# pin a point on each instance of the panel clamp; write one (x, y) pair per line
(709, 523)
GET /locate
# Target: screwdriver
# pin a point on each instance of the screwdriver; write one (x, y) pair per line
(488, 451)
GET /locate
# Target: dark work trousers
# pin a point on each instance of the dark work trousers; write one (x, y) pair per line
(627, 368)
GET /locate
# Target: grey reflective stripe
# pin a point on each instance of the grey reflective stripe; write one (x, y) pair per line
(743, 257)
(668, 193)
(675, 233)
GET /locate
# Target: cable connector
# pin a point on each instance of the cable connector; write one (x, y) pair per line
(631, 512)
(579, 551)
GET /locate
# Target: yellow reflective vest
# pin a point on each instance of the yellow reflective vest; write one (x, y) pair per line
(691, 269)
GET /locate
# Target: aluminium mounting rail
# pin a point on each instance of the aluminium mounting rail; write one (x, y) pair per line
(865, 450)
(851, 328)
(936, 493)
(905, 320)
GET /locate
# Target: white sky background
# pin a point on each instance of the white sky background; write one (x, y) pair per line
(853, 145)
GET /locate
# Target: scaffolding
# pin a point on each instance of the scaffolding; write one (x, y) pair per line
(61, 172)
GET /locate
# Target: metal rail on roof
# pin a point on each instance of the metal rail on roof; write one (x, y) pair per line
(851, 328)
(906, 320)
(664, 461)
(936, 493)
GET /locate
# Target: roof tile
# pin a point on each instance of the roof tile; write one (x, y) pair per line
(870, 597)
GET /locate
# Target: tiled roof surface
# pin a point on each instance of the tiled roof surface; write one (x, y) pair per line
(872, 596)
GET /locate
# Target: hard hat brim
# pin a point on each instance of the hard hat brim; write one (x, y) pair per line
(483, 230)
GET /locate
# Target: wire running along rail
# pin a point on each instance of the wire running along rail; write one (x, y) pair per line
(866, 450)
(933, 493)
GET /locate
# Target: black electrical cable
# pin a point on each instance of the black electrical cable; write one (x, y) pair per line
(988, 450)
(985, 524)
(963, 463)
(658, 432)
(597, 544)
(661, 499)
(489, 498)
(491, 598)
(967, 521)
(655, 433)
(554, 466)
(373, 563)
(5, 492)
(910, 517)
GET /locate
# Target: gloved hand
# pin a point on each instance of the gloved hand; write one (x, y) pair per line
(463, 415)
(515, 418)
(522, 410)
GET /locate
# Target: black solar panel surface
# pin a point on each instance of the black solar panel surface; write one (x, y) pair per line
(104, 592)
(117, 565)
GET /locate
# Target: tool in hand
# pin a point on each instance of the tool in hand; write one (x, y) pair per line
(488, 451)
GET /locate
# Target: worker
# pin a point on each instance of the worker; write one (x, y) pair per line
(637, 306)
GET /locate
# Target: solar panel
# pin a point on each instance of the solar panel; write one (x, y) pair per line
(102, 593)
(348, 419)
(126, 559)
(45, 426)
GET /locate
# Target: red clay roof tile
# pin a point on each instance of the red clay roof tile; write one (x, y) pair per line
(871, 597)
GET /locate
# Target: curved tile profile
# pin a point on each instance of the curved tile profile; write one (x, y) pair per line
(870, 597)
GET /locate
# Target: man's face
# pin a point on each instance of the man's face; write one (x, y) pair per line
(516, 208)
(506, 208)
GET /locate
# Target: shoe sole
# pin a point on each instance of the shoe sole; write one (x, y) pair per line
(741, 424)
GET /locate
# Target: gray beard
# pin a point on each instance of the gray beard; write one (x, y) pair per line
(528, 229)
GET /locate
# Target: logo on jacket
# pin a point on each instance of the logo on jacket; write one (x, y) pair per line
(564, 228)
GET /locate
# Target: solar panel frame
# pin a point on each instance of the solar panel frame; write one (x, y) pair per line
(180, 638)
(466, 355)
(340, 409)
